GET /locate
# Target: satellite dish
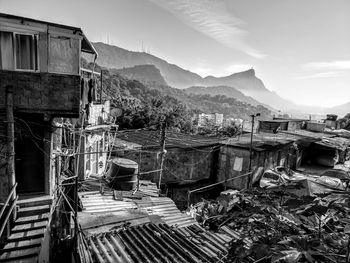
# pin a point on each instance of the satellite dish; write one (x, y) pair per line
(116, 112)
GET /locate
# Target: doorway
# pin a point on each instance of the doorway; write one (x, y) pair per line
(29, 153)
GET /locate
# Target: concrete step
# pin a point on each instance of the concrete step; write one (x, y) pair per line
(32, 259)
(29, 226)
(35, 201)
(26, 235)
(33, 210)
(16, 255)
(15, 245)
(32, 219)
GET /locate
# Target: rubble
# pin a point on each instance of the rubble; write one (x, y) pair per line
(278, 226)
(302, 183)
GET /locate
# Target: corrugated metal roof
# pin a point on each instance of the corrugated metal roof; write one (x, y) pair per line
(262, 141)
(164, 208)
(336, 143)
(161, 243)
(151, 139)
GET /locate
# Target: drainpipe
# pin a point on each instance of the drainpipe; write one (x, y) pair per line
(10, 140)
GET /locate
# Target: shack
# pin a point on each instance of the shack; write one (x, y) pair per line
(40, 84)
(189, 162)
(267, 150)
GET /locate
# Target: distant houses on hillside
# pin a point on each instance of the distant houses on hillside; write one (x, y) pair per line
(215, 119)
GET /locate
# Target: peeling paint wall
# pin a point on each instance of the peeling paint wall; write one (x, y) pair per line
(234, 162)
(179, 164)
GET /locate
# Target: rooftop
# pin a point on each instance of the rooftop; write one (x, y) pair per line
(161, 243)
(86, 45)
(151, 139)
(262, 141)
(104, 212)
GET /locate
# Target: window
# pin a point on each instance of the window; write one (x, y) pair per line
(26, 52)
(6, 50)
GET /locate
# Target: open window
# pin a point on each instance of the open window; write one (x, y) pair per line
(26, 52)
(6, 51)
(18, 51)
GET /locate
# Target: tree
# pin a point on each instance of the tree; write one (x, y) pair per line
(345, 122)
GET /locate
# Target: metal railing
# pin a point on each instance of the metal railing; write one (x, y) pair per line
(214, 184)
(12, 206)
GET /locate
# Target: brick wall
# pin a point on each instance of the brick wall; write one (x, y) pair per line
(54, 94)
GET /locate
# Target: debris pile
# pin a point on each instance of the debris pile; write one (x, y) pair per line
(278, 226)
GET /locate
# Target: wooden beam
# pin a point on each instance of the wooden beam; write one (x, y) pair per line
(10, 140)
(90, 71)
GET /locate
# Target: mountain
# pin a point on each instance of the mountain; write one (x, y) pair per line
(132, 96)
(222, 90)
(250, 85)
(147, 74)
(246, 82)
(340, 110)
(116, 57)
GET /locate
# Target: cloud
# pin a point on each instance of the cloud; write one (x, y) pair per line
(332, 65)
(212, 18)
(329, 74)
(326, 69)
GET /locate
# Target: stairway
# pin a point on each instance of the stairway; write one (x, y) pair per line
(24, 243)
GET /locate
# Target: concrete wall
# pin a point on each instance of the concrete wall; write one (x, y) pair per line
(180, 164)
(54, 94)
(4, 190)
(234, 162)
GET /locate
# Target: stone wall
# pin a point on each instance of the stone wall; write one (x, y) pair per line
(234, 161)
(54, 94)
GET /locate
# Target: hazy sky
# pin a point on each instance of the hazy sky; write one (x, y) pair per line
(299, 48)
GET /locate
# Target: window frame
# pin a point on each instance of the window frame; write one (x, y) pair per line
(35, 39)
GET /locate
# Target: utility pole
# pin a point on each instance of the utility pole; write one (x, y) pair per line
(250, 179)
(162, 153)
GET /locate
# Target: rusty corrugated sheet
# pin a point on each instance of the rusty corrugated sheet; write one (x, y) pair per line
(161, 243)
(164, 207)
(151, 139)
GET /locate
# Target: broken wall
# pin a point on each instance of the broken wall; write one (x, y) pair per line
(234, 161)
(180, 164)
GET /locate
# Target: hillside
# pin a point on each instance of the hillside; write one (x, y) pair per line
(341, 110)
(147, 74)
(246, 82)
(223, 90)
(250, 85)
(116, 57)
(121, 91)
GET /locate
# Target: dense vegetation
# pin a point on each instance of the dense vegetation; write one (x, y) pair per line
(345, 122)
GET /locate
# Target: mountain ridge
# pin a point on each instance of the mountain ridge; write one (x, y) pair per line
(246, 82)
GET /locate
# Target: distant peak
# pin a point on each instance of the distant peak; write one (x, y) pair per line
(249, 72)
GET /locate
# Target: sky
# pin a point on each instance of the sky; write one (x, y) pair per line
(299, 48)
